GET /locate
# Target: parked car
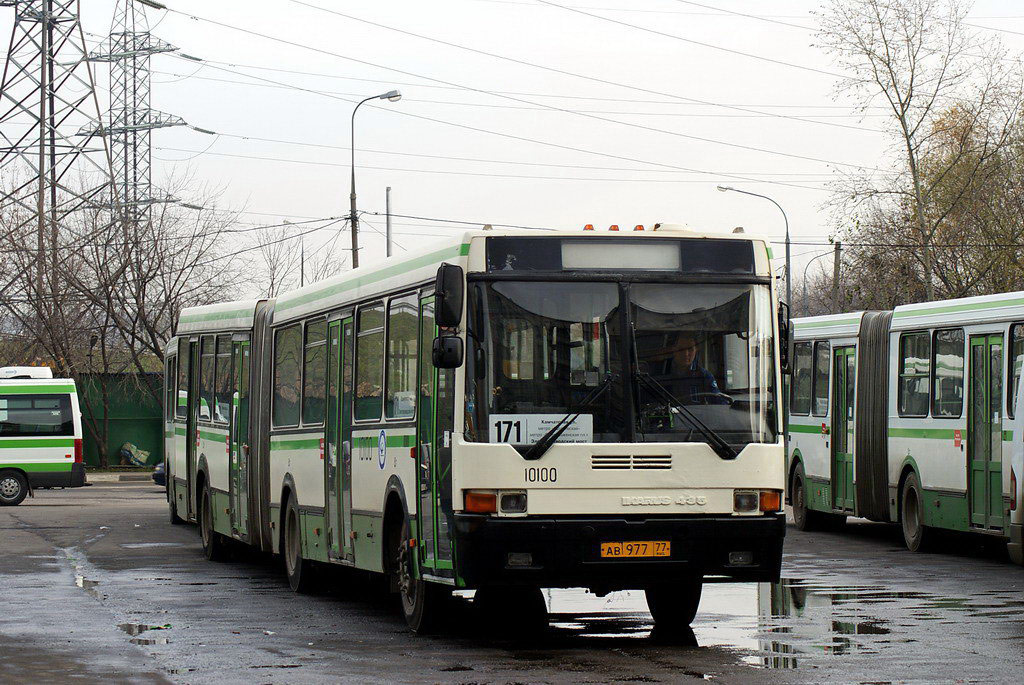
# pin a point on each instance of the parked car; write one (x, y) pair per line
(159, 475)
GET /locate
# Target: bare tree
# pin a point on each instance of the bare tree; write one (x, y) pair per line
(919, 59)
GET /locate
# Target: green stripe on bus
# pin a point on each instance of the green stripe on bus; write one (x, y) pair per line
(923, 433)
(9, 443)
(435, 257)
(822, 324)
(950, 308)
(44, 467)
(799, 428)
(215, 316)
(392, 441)
(179, 430)
(299, 444)
(36, 389)
(209, 435)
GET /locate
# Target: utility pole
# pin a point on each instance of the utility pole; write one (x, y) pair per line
(47, 93)
(130, 121)
(387, 210)
(835, 277)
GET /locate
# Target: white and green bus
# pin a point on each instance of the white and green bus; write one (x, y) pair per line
(40, 433)
(911, 416)
(507, 412)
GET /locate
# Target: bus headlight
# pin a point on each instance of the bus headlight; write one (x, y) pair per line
(745, 500)
(513, 502)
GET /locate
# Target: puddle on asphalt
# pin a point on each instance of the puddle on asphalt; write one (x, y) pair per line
(147, 545)
(149, 641)
(88, 585)
(139, 628)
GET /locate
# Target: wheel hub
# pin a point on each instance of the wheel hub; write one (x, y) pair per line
(406, 584)
(9, 487)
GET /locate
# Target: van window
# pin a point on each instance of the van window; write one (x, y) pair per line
(287, 383)
(403, 321)
(369, 362)
(948, 373)
(207, 360)
(30, 415)
(914, 372)
(314, 383)
(1016, 361)
(822, 365)
(800, 402)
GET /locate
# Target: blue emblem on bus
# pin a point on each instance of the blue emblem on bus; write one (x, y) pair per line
(382, 449)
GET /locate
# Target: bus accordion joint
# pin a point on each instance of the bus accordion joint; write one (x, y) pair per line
(481, 502)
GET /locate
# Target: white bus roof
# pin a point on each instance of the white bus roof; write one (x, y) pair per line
(381, 277)
(827, 326)
(980, 309)
(9, 372)
(224, 316)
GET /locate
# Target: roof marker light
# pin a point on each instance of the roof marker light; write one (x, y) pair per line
(613, 227)
(638, 227)
(588, 227)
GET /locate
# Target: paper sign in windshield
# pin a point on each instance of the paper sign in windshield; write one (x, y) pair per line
(527, 429)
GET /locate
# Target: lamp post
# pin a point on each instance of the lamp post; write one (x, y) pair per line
(807, 311)
(391, 96)
(789, 279)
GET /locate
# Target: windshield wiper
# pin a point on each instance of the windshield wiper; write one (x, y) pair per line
(537, 449)
(715, 441)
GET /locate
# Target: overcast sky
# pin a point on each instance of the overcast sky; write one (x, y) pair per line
(425, 146)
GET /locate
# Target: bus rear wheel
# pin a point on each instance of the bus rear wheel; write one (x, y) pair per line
(803, 518)
(300, 571)
(215, 546)
(674, 605)
(916, 535)
(423, 604)
(13, 488)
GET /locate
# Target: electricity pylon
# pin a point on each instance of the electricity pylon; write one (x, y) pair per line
(53, 161)
(131, 120)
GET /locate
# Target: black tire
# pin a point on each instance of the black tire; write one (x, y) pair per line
(803, 518)
(13, 488)
(916, 536)
(516, 611)
(215, 545)
(300, 572)
(425, 605)
(173, 509)
(674, 605)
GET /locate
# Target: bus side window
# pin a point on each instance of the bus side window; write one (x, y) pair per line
(369, 362)
(822, 368)
(1016, 360)
(206, 368)
(948, 373)
(403, 321)
(287, 376)
(222, 375)
(170, 386)
(914, 372)
(800, 402)
(314, 372)
(181, 401)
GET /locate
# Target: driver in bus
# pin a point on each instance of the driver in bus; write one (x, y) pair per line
(684, 377)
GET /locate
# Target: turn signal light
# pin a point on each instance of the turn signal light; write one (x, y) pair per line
(481, 502)
(771, 500)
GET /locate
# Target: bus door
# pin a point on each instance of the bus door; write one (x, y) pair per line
(844, 374)
(985, 432)
(426, 439)
(191, 429)
(337, 440)
(238, 466)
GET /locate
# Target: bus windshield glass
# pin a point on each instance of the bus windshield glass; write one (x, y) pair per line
(708, 348)
(543, 351)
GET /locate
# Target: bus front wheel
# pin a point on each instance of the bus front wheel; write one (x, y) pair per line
(13, 488)
(301, 574)
(674, 605)
(423, 603)
(916, 535)
(214, 544)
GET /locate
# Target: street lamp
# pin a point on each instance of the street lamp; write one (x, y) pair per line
(789, 279)
(807, 311)
(391, 96)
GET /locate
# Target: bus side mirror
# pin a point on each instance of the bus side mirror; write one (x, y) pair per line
(447, 352)
(784, 337)
(449, 290)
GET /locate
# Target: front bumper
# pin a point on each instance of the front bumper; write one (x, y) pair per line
(565, 551)
(58, 479)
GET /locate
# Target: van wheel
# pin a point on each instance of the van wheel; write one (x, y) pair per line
(674, 605)
(215, 545)
(424, 604)
(917, 536)
(13, 488)
(300, 572)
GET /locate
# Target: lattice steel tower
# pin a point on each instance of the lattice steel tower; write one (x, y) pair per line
(131, 120)
(53, 161)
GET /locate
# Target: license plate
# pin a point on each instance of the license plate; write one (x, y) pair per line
(633, 548)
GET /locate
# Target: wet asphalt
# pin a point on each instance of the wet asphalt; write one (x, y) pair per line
(96, 585)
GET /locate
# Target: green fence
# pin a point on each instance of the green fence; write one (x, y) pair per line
(134, 414)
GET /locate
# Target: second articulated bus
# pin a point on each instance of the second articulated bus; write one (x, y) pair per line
(507, 412)
(911, 416)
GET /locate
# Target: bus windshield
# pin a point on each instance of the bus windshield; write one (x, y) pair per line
(541, 351)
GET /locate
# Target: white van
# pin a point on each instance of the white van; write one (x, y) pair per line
(40, 433)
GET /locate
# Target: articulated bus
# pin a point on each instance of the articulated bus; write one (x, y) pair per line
(509, 412)
(911, 416)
